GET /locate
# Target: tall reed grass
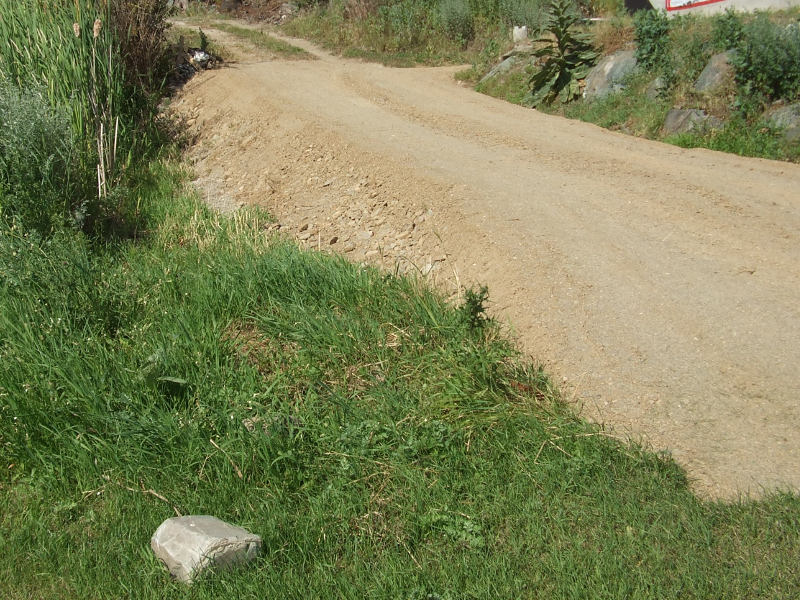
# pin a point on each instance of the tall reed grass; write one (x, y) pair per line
(92, 59)
(67, 49)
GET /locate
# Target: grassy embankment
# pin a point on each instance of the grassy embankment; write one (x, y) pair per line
(383, 443)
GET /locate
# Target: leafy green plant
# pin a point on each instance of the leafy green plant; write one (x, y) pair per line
(767, 63)
(728, 30)
(566, 61)
(652, 39)
(41, 184)
(473, 310)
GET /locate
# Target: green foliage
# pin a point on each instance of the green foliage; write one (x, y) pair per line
(42, 186)
(566, 60)
(473, 310)
(767, 63)
(728, 31)
(140, 28)
(203, 40)
(409, 21)
(652, 39)
(457, 20)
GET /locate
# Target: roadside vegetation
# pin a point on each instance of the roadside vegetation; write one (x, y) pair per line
(158, 358)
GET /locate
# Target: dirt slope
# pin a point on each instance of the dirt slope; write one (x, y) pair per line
(661, 285)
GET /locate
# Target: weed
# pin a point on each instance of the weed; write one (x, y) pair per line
(767, 63)
(473, 310)
(652, 40)
(566, 61)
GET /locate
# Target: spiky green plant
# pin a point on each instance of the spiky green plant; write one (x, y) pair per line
(567, 59)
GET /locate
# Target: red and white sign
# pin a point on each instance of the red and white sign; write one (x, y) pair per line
(673, 5)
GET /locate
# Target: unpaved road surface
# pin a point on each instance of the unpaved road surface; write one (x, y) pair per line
(660, 286)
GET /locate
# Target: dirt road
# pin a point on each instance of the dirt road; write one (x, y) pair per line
(660, 285)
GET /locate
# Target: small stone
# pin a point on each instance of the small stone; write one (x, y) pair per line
(192, 544)
(349, 247)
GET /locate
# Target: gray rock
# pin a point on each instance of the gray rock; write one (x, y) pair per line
(715, 74)
(787, 118)
(686, 120)
(499, 69)
(656, 88)
(192, 544)
(609, 74)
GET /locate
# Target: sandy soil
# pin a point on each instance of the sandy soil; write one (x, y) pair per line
(660, 286)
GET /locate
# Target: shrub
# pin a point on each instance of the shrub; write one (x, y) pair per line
(728, 31)
(767, 63)
(652, 39)
(41, 184)
(408, 21)
(140, 28)
(457, 21)
(533, 13)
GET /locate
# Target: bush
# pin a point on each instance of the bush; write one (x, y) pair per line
(140, 27)
(728, 31)
(652, 39)
(767, 63)
(42, 185)
(457, 20)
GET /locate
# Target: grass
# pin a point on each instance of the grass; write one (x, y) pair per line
(402, 35)
(263, 41)
(383, 443)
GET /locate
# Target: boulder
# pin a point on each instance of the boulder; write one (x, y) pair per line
(716, 73)
(787, 118)
(499, 69)
(687, 120)
(609, 74)
(656, 88)
(195, 543)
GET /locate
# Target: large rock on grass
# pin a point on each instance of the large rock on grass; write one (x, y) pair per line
(193, 544)
(787, 118)
(609, 74)
(689, 120)
(716, 73)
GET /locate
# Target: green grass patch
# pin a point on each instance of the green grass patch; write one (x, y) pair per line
(743, 138)
(383, 443)
(263, 41)
(511, 87)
